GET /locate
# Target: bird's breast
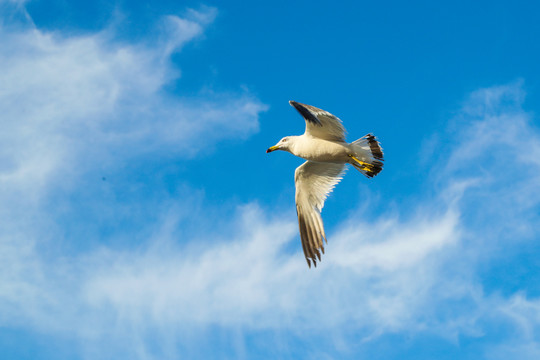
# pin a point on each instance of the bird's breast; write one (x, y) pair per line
(322, 151)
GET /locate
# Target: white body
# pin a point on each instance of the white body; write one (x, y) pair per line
(321, 150)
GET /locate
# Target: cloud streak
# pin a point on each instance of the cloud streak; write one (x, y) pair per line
(414, 274)
(56, 90)
(72, 104)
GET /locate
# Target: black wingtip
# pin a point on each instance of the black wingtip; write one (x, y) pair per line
(306, 114)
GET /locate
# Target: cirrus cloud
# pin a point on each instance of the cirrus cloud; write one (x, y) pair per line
(71, 103)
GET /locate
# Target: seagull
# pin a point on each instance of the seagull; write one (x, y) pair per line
(326, 152)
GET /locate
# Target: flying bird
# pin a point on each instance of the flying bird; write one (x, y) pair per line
(324, 147)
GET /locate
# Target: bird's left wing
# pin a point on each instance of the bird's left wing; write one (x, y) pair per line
(320, 123)
(314, 181)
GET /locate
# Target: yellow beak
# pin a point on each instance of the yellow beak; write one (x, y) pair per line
(272, 148)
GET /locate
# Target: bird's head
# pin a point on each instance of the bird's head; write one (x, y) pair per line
(283, 144)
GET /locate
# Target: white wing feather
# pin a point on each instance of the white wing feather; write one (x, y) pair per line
(314, 181)
(320, 123)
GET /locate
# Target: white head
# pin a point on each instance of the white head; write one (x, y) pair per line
(283, 144)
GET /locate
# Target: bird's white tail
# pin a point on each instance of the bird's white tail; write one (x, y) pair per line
(367, 155)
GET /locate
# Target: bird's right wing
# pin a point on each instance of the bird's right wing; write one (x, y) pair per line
(314, 181)
(320, 123)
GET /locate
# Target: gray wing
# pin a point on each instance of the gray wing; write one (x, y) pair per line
(314, 181)
(320, 123)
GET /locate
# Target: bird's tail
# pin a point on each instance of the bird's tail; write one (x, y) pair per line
(367, 155)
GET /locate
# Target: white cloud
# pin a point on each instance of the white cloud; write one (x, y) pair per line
(406, 274)
(183, 30)
(70, 98)
(71, 102)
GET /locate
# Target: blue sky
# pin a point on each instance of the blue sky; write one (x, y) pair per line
(142, 219)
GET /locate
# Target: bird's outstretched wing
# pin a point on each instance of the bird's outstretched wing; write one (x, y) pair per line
(320, 123)
(314, 181)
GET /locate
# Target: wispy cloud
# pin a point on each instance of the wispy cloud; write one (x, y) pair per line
(68, 98)
(410, 274)
(74, 103)
(70, 103)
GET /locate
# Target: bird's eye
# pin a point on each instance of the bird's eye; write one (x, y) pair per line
(285, 140)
